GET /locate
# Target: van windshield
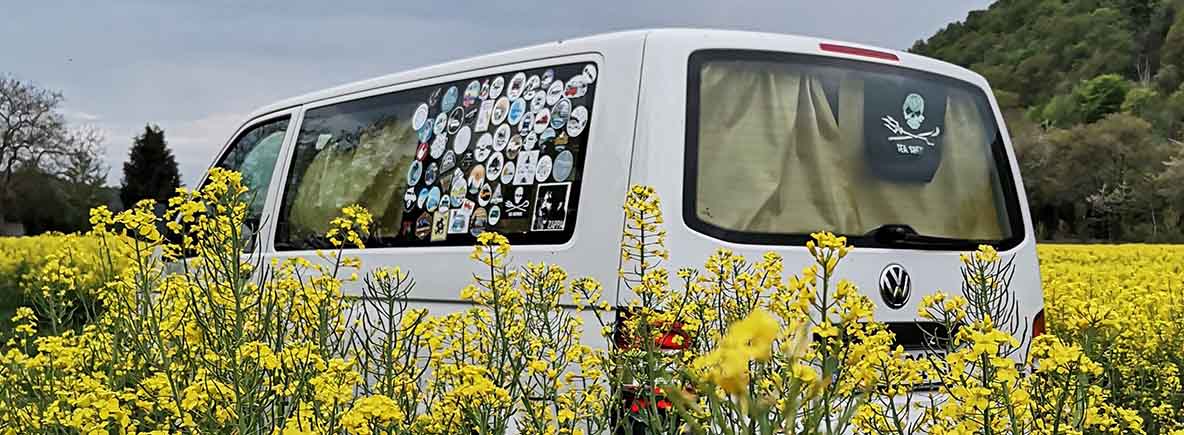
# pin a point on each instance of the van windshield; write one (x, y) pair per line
(782, 145)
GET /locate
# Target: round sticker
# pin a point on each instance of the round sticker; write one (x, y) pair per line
(530, 141)
(495, 215)
(484, 89)
(555, 92)
(460, 142)
(425, 132)
(547, 138)
(421, 200)
(507, 175)
(514, 147)
(476, 177)
(472, 93)
(538, 102)
(447, 162)
(449, 100)
(516, 86)
(480, 218)
(420, 117)
(433, 199)
(429, 176)
(458, 187)
(414, 172)
(532, 83)
(527, 123)
(484, 147)
(495, 88)
(576, 87)
(455, 119)
(548, 76)
(542, 119)
(577, 121)
(501, 109)
(441, 123)
(561, 169)
(543, 169)
(590, 72)
(439, 145)
(493, 168)
(445, 204)
(409, 199)
(484, 195)
(501, 137)
(517, 109)
(561, 113)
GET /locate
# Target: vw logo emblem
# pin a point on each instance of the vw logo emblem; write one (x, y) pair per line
(895, 285)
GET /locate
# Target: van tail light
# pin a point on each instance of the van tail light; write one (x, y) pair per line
(1038, 324)
(671, 336)
(856, 51)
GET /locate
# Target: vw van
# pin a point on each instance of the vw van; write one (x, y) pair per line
(752, 140)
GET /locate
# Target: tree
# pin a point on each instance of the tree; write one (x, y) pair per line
(151, 170)
(32, 132)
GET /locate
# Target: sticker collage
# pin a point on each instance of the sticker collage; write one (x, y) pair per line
(499, 153)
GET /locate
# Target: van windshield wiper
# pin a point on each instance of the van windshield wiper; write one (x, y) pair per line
(904, 236)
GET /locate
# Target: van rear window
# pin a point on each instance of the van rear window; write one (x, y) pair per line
(440, 164)
(782, 145)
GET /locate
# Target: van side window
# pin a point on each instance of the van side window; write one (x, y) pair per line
(254, 154)
(440, 164)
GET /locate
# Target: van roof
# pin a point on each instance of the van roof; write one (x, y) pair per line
(592, 41)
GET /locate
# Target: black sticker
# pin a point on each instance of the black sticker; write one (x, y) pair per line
(550, 207)
(903, 128)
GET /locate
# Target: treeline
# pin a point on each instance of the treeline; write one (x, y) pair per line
(52, 173)
(1092, 92)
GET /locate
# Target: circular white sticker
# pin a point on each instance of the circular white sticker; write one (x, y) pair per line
(561, 113)
(577, 121)
(514, 147)
(495, 88)
(516, 86)
(561, 169)
(460, 142)
(548, 76)
(495, 215)
(542, 119)
(543, 169)
(484, 147)
(539, 101)
(508, 173)
(501, 137)
(532, 83)
(484, 195)
(472, 93)
(476, 178)
(420, 117)
(531, 140)
(439, 145)
(501, 109)
(555, 92)
(576, 87)
(493, 168)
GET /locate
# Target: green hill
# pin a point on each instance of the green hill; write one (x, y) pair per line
(1092, 92)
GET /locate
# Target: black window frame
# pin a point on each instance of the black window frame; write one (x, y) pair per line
(695, 63)
(528, 238)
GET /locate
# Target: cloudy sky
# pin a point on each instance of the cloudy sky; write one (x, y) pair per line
(197, 68)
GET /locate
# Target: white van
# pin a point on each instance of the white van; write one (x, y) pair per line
(752, 140)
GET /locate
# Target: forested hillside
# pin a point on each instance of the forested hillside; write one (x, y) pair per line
(1093, 96)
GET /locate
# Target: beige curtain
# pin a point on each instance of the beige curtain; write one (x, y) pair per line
(773, 159)
(373, 174)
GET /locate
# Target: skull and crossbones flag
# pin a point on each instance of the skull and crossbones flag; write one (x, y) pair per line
(903, 127)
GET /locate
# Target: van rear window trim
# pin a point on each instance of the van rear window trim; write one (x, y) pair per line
(699, 58)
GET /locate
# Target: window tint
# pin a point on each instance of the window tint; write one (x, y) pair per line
(439, 165)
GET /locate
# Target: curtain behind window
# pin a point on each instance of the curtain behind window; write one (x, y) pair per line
(775, 158)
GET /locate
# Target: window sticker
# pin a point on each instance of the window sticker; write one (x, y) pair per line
(457, 148)
(905, 146)
(577, 121)
(550, 207)
(483, 115)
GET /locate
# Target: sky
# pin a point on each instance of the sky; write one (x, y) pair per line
(198, 68)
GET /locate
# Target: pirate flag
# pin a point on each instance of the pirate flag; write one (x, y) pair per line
(903, 127)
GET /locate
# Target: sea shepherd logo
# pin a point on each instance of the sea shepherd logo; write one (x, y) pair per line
(895, 285)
